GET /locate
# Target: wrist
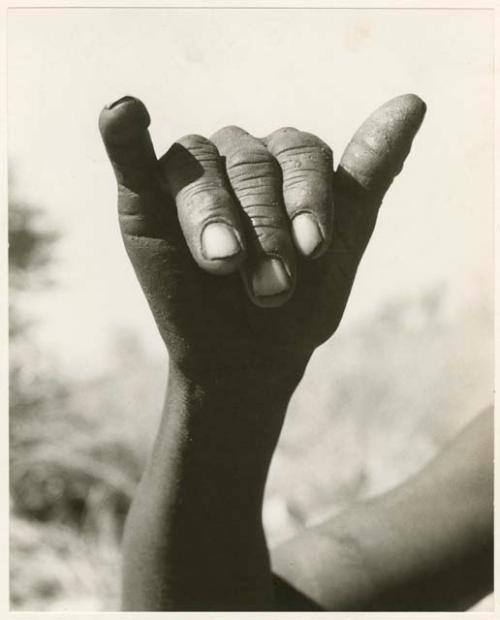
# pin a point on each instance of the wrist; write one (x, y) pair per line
(218, 433)
(237, 411)
(244, 373)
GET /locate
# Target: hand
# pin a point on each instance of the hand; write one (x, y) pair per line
(247, 248)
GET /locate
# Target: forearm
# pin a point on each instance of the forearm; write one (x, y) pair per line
(194, 538)
(427, 545)
(442, 525)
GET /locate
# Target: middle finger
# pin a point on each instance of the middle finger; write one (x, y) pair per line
(255, 177)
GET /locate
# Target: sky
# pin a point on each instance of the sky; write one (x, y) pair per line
(323, 71)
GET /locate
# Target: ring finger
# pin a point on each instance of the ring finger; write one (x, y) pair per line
(307, 167)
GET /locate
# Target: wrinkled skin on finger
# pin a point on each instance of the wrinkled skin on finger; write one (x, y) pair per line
(209, 323)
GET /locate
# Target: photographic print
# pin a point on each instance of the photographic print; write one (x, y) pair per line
(251, 308)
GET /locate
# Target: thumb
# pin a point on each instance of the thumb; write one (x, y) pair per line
(372, 159)
(378, 149)
(368, 166)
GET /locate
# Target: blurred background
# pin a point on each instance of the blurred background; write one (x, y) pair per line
(413, 359)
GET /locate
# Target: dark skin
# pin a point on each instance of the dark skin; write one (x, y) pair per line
(211, 324)
(246, 250)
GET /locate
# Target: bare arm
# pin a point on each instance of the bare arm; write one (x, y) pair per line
(194, 537)
(246, 270)
(427, 545)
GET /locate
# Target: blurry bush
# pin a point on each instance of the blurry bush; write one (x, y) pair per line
(76, 449)
(55, 568)
(376, 403)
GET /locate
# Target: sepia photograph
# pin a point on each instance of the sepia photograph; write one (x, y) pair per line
(251, 307)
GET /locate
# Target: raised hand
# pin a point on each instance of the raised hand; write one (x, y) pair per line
(247, 248)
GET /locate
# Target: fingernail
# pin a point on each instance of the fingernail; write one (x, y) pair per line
(306, 233)
(112, 105)
(219, 241)
(270, 278)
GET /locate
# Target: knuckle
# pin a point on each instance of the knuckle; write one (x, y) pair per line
(286, 130)
(248, 155)
(252, 164)
(231, 129)
(257, 191)
(177, 160)
(199, 146)
(303, 152)
(203, 192)
(282, 133)
(306, 165)
(188, 151)
(193, 140)
(306, 178)
(192, 164)
(255, 176)
(310, 139)
(286, 142)
(229, 132)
